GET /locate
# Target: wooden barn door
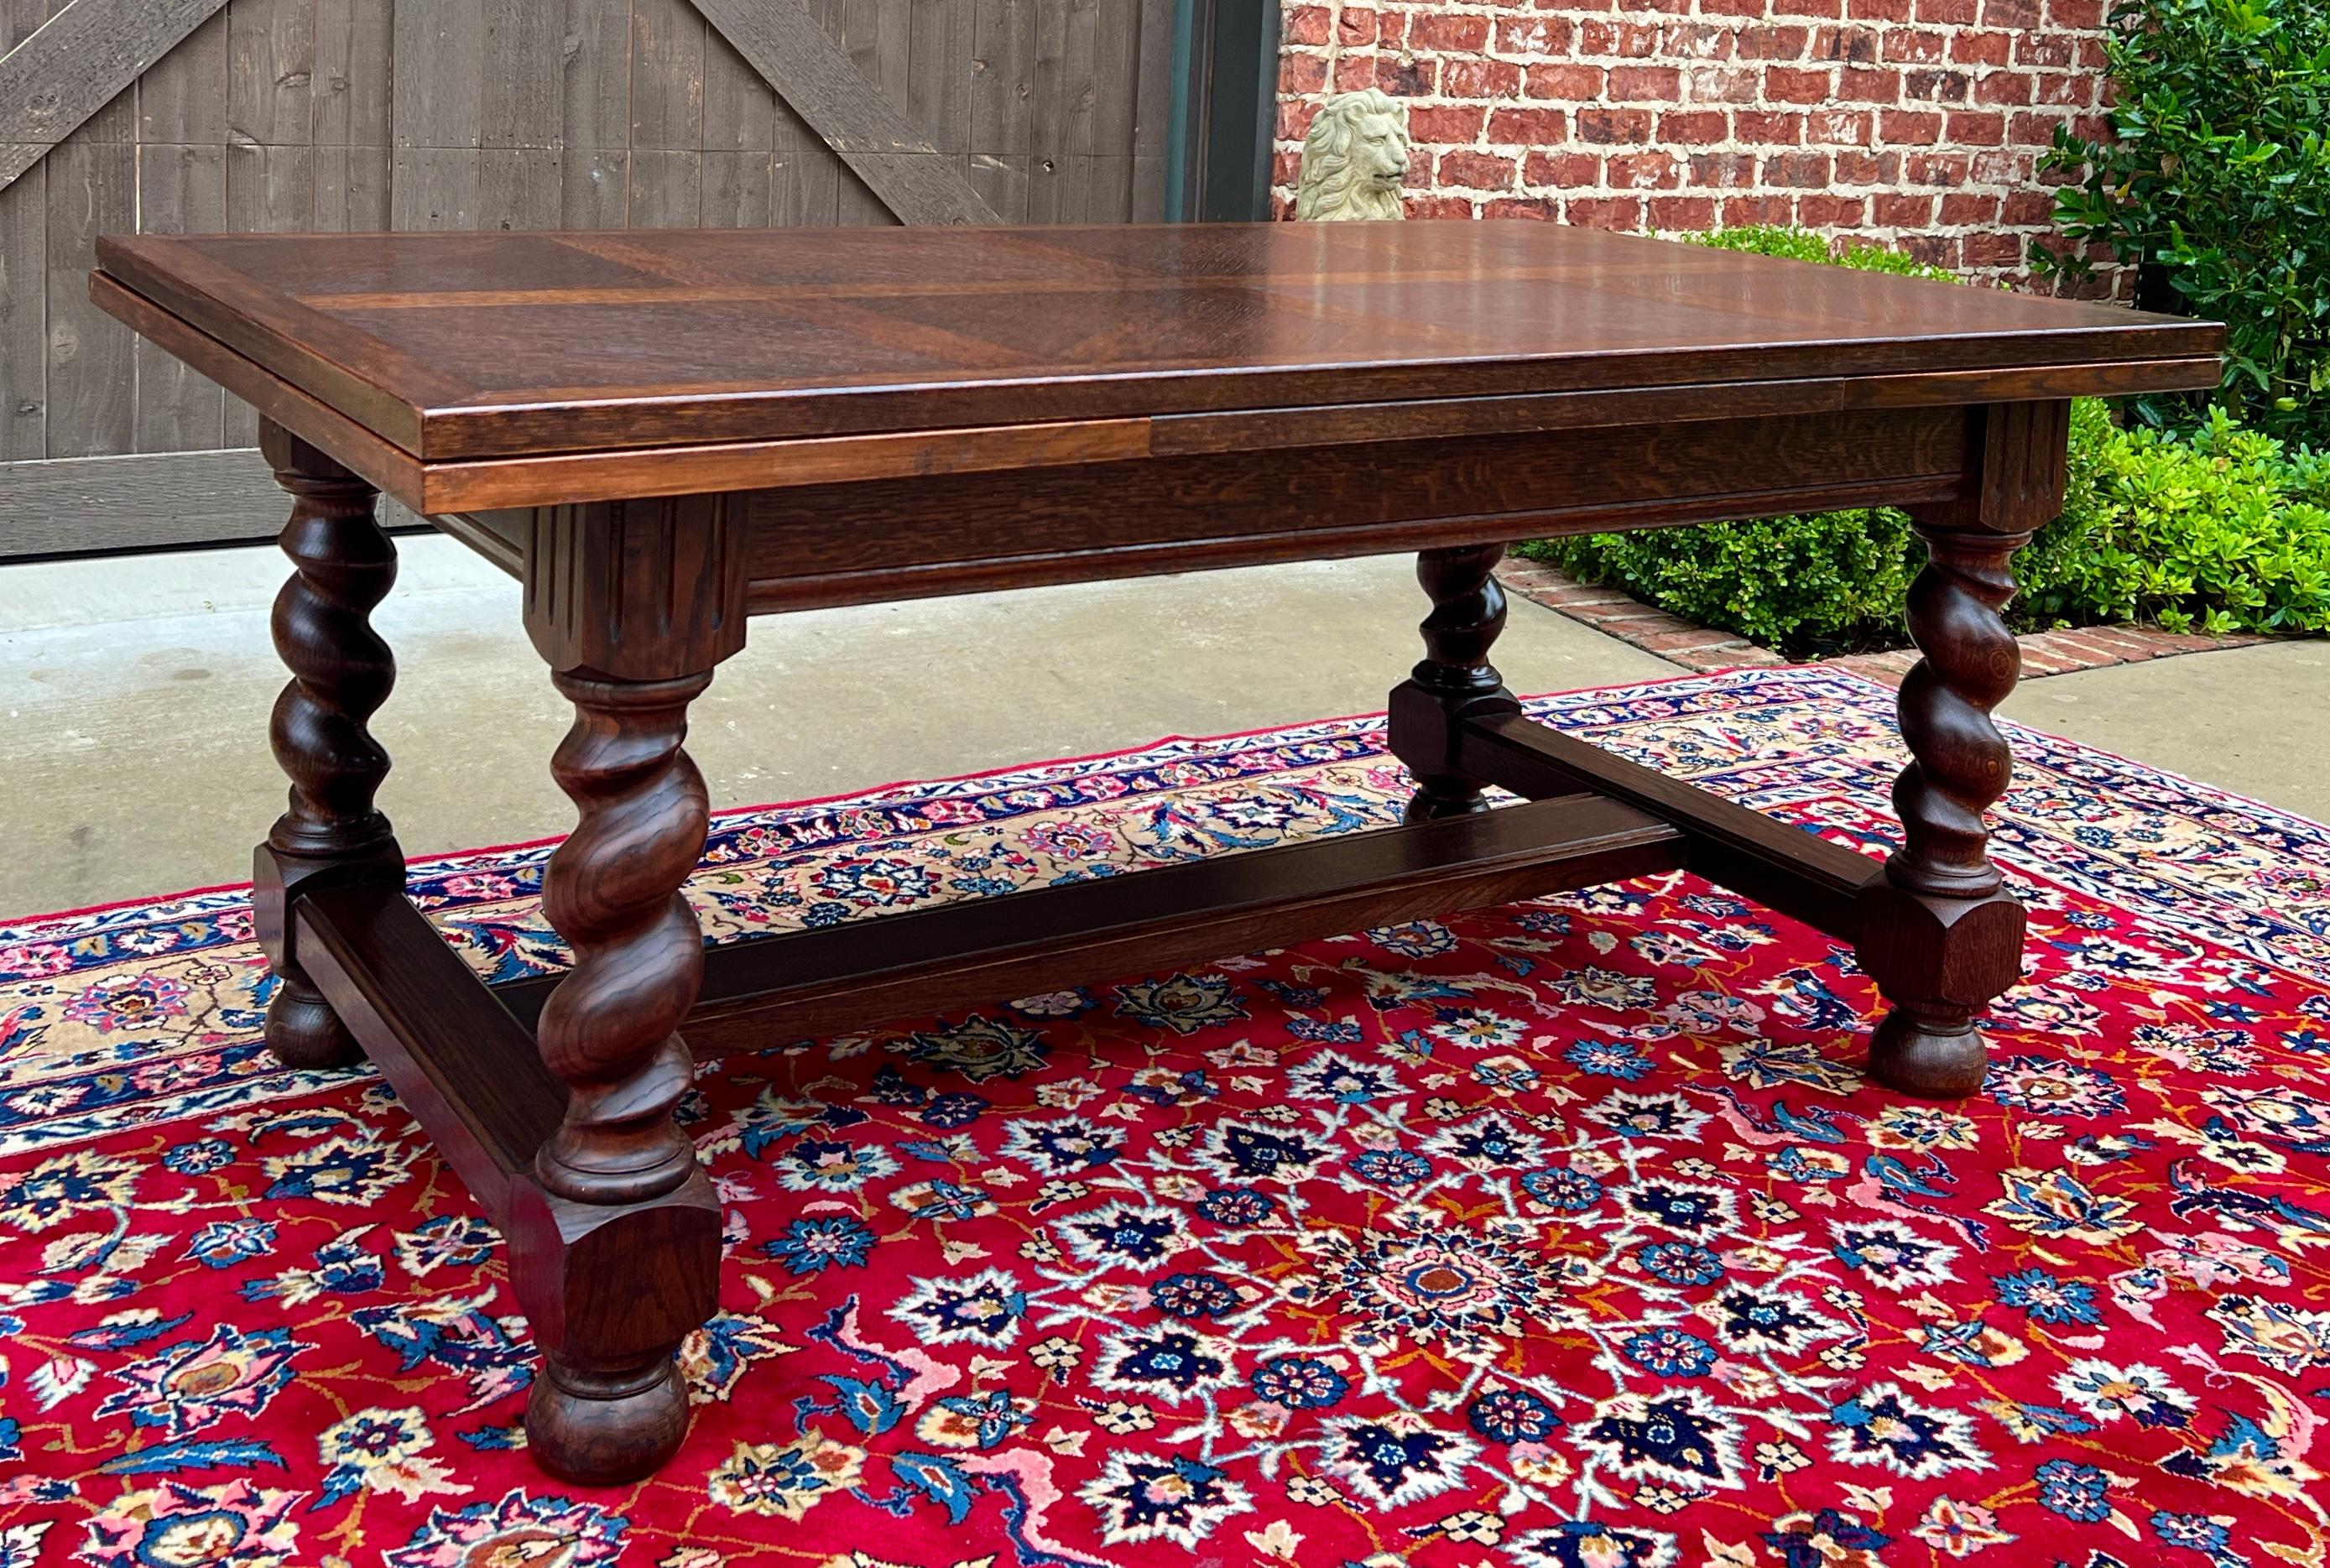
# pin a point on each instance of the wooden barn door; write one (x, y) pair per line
(283, 115)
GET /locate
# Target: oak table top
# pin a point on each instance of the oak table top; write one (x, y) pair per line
(475, 369)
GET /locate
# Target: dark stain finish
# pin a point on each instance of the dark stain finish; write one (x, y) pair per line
(662, 433)
(502, 345)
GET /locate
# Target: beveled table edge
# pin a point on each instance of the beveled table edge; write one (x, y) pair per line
(454, 420)
(434, 487)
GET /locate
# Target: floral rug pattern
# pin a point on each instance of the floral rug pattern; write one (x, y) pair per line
(1565, 1236)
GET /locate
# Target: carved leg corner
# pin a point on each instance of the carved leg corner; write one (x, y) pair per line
(331, 833)
(1455, 681)
(1941, 935)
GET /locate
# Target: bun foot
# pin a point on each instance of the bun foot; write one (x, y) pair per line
(604, 1429)
(1934, 1059)
(1435, 798)
(303, 1031)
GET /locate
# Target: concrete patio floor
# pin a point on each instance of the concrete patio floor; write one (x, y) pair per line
(134, 696)
(133, 753)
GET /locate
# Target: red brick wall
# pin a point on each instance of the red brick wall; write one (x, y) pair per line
(1917, 124)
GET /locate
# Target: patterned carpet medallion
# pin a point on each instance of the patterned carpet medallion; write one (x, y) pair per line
(1566, 1235)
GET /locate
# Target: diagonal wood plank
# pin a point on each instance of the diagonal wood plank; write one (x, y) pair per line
(81, 59)
(813, 74)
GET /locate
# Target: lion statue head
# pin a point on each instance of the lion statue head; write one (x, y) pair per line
(1354, 159)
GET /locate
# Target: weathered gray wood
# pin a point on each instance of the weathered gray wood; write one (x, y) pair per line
(181, 189)
(519, 187)
(271, 157)
(855, 201)
(667, 188)
(594, 188)
(440, 86)
(595, 88)
(1002, 83)
(1149, 190)
(351, 95)
(78, 61)
(270, 70)
(893, 70)
(740, 111)
(1152, 109)
(1046, 179)
(1079, 188)
(781, 41)
(350, 104)
(351, 188)
(1116, 54)
(1080, 67)
(435, 188)
(520, 82)
(182, 135)
(1107, 184)
(857, 26)
(24, 319)
(357, 115)
(938, 73)
(271, 185)
(666, 78)
(20, 19)
(805, 175)
(1001, 178)
(92, 189)
(1047, 67)
(150, 501)
(24, 272)
(735, 191)
(182, 101)
(1153, 67)
(269, 189)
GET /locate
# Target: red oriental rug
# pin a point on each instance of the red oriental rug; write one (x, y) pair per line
(1560, 1235)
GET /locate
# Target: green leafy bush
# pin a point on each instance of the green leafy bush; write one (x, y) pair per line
(2223, 531)
(2216, 186)
(2226, 529)
(1831, 582)
(1803, 245)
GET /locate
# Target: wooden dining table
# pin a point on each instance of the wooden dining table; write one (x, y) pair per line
(664, 434)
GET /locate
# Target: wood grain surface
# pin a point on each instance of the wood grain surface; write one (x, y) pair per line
(79, 62)
(453, 346)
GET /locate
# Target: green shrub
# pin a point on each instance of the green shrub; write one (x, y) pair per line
(1803, 245)
(2224, 530)
(2216, 186)
(1832, 583)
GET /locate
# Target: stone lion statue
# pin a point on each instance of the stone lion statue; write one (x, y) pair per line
(1354, 159)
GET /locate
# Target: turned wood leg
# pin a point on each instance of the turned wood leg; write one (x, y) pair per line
(632, 604)
(1941, 935)
(610, 1031)
(1455, 680)
(331, 833)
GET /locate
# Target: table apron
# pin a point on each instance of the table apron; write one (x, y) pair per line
(814, 546)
